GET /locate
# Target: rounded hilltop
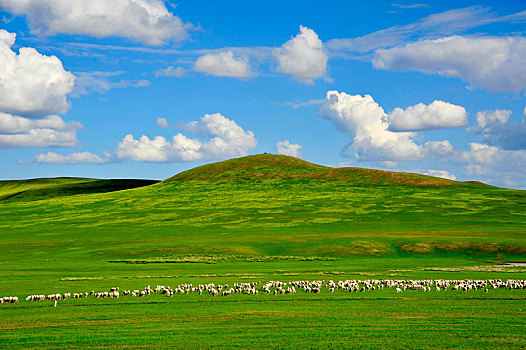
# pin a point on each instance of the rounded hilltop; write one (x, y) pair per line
(277, 166)
(264, 165)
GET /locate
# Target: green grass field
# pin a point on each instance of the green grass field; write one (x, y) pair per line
(261, 218)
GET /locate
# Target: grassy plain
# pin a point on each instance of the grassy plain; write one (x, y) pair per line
(256, 219)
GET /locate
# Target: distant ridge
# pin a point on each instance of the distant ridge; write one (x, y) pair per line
(273, 166)
(45, 188)
(478, 183)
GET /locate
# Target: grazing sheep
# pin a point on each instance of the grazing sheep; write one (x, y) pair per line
(282, 288)
(9, 300)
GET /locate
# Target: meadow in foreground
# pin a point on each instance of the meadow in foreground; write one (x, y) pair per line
(264, 220)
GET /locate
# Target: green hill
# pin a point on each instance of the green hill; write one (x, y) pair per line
(272, 166)
(268, 205)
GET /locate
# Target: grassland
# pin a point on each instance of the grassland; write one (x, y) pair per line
(261, 218)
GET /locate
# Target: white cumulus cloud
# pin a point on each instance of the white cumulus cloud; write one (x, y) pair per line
(147, 21)
(304, 56)
(436, 115)
(39, 138)
(12, 124)
(366, 124)
(364, 121)
(493, 63)
(289, 149)
(31, 84)
(74, 158)
(227, 139)
(224, 64)
(50, 131)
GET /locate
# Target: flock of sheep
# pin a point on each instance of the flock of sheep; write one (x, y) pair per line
(278, 288)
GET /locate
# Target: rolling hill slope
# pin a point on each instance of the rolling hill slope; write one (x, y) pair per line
(268, 205)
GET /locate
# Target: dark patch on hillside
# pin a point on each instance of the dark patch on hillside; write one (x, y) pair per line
(38, 189)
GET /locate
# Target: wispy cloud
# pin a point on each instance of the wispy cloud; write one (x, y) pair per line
(431, 27)
(409, 6)
(301, 104)
(252, 51)
(170, 72)
(101, 82)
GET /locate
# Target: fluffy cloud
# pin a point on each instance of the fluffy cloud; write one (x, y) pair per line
(11, 124)
(39, 138)
(440, 173)
(494, 63)
(227, 140)
(74, 158)
(364, 121)
(224, 64)
(367, 125)
(500, 166)
(496, 129)
(147, 21)
(486, 119)
(50, 131)
(440, 149)
(289, 149)
(162, 122)
(303, 56)
(437, 115)
(31, 84)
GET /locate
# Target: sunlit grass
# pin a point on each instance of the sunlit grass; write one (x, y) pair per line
(300, 222)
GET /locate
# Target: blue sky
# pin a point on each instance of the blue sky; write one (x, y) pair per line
(146, 88)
